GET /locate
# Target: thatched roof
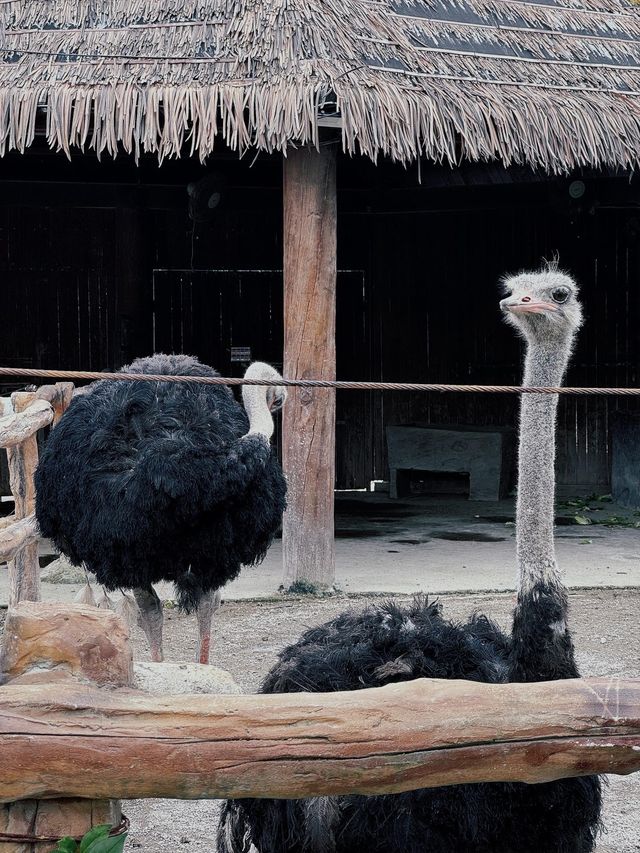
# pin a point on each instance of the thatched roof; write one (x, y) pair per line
(553, 83)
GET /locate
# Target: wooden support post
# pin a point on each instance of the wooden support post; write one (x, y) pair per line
(309, 353)
(24, 569)
(67, 645)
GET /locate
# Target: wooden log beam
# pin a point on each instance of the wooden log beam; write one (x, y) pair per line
(309, 352)
(20, 426)
(418, 734)
(14, 537)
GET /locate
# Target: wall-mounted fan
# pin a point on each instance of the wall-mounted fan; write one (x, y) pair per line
(205, 197)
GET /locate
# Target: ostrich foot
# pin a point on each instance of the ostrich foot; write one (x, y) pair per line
(103, 600)
(150, 618)
(207, 606)
(127, 610)
(86, 596)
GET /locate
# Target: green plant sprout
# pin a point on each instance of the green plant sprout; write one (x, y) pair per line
(584, 505)
(97, 840)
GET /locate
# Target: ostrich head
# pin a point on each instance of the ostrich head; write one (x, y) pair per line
(261, 401)
(543, 306)
(276, 397)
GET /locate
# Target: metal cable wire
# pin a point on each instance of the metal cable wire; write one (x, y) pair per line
(36, 373)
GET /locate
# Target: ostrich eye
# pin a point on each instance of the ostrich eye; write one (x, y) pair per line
(560, 294)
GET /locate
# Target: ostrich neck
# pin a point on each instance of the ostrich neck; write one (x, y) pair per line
(254, 398)
(541, 645)
(545, 365)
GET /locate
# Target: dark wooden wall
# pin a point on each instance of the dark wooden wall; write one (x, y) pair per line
(99, 262)
(432, 276)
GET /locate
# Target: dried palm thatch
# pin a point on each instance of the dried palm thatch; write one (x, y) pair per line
(554, 83)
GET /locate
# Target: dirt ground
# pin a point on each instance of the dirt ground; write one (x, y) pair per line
(249, 634)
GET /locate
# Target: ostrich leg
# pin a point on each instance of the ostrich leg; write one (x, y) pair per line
(150, 619)
(208, 605)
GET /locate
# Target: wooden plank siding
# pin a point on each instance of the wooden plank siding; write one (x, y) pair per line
(58, 287)
(80, 266)
(437, 319)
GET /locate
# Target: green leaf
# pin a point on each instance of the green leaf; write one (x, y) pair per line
(110, 844)
(618, 521)
(66, 845)
(581, 519)
(97, 832)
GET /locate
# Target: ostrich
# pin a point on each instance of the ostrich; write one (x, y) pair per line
(149, 481)
(390, 644)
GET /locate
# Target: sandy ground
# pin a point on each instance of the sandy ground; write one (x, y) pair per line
(248, 635)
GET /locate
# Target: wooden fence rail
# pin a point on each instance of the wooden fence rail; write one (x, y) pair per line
(418, 734)
(19, 426)
(14, 537)
(67, 704)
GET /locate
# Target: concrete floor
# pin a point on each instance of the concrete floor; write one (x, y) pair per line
(440, 545)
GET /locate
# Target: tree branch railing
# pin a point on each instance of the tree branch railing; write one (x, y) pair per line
(30, 412)
(14, 537)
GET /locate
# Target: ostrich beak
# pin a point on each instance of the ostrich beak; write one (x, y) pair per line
(517, 306)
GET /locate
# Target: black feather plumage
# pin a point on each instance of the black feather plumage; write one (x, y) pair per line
(149, 481)
(390, 644)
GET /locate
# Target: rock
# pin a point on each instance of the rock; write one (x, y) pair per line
(72, 638)
(174, 679)
(62, 571)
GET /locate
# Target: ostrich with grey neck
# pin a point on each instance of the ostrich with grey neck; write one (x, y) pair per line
(150, 481)
(545, 310)
(389, 643)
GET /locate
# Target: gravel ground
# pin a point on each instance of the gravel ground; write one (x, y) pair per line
(249, 634)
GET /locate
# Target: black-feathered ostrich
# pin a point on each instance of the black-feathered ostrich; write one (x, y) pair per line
(145, 481)
(390, 644)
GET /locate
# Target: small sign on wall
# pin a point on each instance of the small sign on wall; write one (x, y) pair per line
(240, 354)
